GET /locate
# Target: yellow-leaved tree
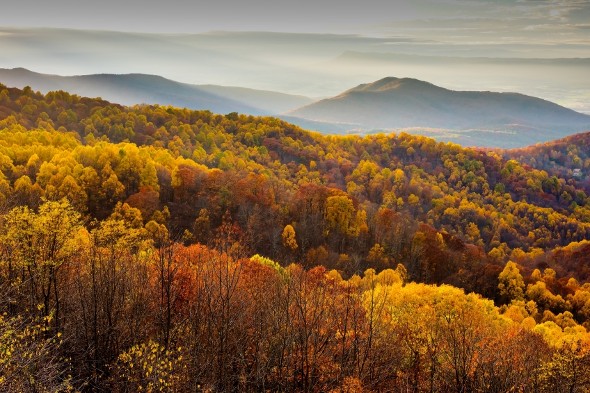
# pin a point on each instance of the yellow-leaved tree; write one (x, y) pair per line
(511, 283)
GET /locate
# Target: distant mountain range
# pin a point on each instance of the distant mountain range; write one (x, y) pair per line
(479, 118)
(470, 118)
(132, 89)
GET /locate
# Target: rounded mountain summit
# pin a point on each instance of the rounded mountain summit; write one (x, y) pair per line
(406, 103)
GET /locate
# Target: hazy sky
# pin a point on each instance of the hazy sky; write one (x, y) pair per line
(546, 22)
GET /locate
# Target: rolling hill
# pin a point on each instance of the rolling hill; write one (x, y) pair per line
(566, 158)
(468, 117)
(131, 89)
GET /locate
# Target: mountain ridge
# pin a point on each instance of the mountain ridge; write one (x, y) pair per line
(139, 88)
(407, 103)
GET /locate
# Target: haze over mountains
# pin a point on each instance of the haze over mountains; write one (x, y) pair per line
(313, 65)
(565, 81)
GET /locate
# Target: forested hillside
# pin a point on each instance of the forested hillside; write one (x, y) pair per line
(165, 249)
(567, 158)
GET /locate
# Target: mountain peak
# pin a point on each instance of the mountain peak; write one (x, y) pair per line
(472, 117)
(21, 70)
(392, 83)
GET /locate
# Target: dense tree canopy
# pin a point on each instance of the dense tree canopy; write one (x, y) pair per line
(162, 249)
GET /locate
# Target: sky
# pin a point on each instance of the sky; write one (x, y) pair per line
(548, 22)
(317, 48)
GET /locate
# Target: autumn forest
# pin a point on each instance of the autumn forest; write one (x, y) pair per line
(158, 249)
